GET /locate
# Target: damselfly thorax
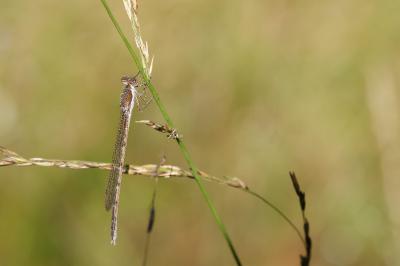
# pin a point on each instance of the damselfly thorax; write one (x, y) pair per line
(137, 88)
(128, 93)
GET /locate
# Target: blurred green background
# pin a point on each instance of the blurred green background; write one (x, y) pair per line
(257, 88)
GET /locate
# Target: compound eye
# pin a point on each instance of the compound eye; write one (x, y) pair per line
(125, 80)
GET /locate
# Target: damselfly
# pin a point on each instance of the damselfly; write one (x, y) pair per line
(127, 102)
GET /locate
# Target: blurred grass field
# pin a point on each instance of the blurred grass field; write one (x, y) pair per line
(257, 88)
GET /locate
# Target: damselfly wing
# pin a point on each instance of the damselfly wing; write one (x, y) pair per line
(127, 102)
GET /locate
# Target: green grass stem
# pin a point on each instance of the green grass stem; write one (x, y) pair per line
(169, 122)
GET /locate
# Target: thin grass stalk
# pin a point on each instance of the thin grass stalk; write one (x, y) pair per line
(276, 209)
(181, 144)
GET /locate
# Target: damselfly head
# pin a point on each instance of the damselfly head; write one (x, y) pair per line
(138, 86)
(129, 81)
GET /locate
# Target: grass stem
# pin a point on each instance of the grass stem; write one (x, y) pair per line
(169, 122)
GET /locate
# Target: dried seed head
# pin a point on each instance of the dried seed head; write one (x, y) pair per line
(131, 7)
(172, 133)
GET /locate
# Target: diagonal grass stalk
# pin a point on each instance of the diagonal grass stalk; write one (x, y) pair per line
(169, 122)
